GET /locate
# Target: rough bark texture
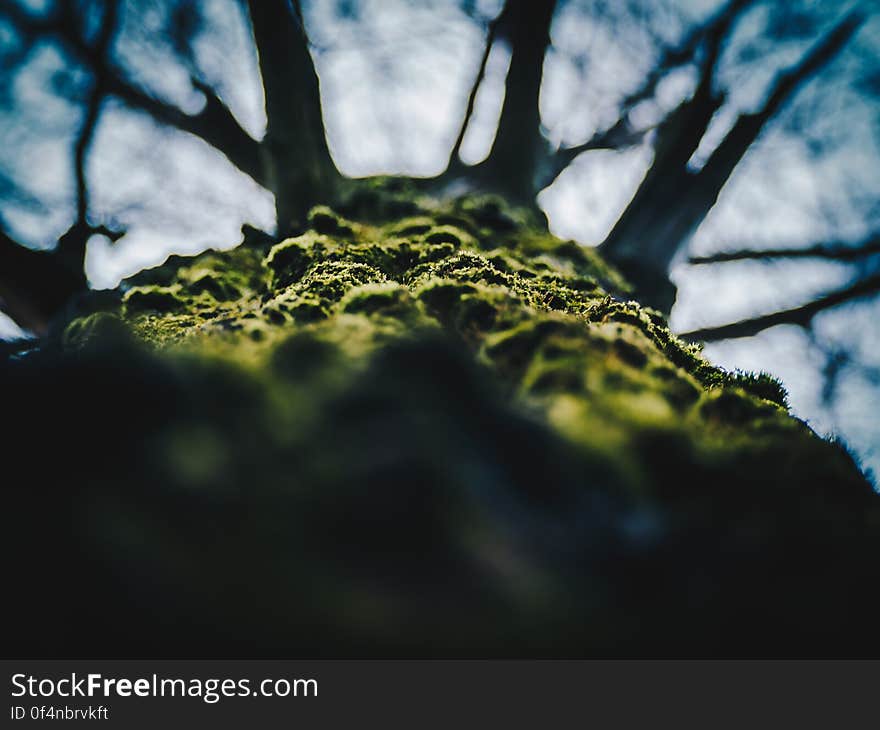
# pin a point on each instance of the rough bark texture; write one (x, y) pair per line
(419, 428)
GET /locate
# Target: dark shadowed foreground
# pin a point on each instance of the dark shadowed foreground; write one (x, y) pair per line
(421, 430)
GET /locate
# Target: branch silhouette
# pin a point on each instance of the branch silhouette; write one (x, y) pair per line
(801, 316)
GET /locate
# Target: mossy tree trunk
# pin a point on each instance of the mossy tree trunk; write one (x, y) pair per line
(421, 427)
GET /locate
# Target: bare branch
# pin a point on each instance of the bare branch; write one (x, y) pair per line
(72, 245)
(717, 170)
(86, 134)
(618, 137)
(672, 201)
(684, 53)
(801, 316)
(833, 251)
(215, 124)
(621, 135)
(665, 209)
(35, 285)
(491, 30)
(820, 55)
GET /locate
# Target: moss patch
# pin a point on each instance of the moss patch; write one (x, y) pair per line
(549, 318)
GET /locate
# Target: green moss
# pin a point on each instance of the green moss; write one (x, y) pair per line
(290, 259)
(307, 309)
(545, 314)
(513, 349)
(220, 288)
(153, 298)
(422, 408)
(736, 407)
(449, 234)
(330, 280)
(761, 385)
(493, 213)
(461, 266)
(94, 329)
(386, 299)
(534, 308)
(409, 227)
(630, 353)
(322, 219)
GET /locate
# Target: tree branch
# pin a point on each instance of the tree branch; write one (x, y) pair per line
(673, 57)
(718, 169)
(672, 201)
(99, 51)
(621, 135)
(215, 124)
(72, 245)
(801, 316)
(834, 251)
(454, 159)
(665, 209)
(519, 149)
(35, 285)
(617, 137)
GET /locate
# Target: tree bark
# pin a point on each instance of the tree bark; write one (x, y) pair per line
(519, 148)
(295, 155)
(672, 201)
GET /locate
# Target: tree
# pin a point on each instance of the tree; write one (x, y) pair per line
(411, 420)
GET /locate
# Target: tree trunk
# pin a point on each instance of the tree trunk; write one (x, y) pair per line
(428, 428)
(519, 147)
(296, 157)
